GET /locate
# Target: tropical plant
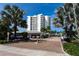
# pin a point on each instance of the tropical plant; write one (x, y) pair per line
(3, 29)
(13, 15)
(43, 30)
(68, 14)
(57, 22)
(48, 29)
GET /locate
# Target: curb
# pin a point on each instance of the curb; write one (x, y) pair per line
(63, 49)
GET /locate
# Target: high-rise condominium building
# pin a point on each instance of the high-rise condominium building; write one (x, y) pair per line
(36, 22)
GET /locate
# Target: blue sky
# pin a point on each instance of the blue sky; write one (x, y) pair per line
(37, 8)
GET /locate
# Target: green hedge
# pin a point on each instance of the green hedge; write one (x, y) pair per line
(3, 41)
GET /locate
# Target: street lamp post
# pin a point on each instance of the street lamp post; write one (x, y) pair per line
(64, 15)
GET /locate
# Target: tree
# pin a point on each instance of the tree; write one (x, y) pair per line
(4, 28)
(14, 15)
(43, 30)
(68, 14)
(57, 22)
(48, 29)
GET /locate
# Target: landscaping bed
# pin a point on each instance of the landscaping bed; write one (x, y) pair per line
(3, 41)
(71, 48)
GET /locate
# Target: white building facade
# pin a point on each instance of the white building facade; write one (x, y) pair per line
(36, 22)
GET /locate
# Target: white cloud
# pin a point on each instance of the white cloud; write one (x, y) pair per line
(55, 11)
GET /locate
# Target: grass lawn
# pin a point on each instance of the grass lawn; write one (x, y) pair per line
(72, 48)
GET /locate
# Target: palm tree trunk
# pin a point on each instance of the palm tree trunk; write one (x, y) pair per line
(15, 31)
(15, 28)
(64, 16)
(7, 36)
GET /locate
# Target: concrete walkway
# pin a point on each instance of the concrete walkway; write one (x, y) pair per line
(14, 51)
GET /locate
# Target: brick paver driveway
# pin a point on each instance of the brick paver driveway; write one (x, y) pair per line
(46, 47)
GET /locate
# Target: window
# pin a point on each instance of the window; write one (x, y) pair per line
(33, 23)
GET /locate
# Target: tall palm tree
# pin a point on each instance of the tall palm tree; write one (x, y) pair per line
(4, 28)
(14, 15)
(65, 13)
(71, 11)
(69, 14)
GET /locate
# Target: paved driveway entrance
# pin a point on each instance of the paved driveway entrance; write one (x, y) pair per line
(46, 47)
